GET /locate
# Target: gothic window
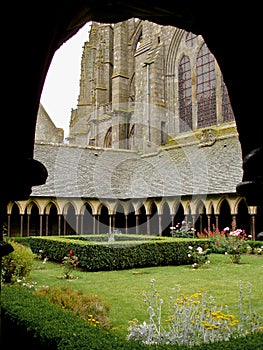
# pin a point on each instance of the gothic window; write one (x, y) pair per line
(108, 139)
(191, 39)
(185, 94)
(205, 88)
(227, 112)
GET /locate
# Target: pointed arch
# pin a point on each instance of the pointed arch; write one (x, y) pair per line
(166, 219)
(108, 138)
(201, 222)
(69, 214)
(154, 219)
(15, 226)
(120, 222)
(87, 219)
(33, 219)
(243, 217)
(225, 218)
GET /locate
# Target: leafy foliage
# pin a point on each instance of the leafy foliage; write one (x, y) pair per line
(17, 265)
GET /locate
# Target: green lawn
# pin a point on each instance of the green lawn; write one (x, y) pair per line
(122, 289)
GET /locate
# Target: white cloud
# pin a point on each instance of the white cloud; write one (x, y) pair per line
(61, 88)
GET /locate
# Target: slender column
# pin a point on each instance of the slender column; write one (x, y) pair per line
(126, 224)
(253, 226)
(193, 220)
(234, 220)
(160, 224)
(47, 225)
(21, 224)
(172, 220)
(81, 224)
(113, 222)
(208, 223)
(98, 223)
(148, 216)
(137, 223)
(77, 224)
(94, 224)
(59, 225)
(110, 223)
(28, 225)
(40, 224)
(201, 223)
(64, 226)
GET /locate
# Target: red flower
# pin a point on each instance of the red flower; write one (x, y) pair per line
(70, 252)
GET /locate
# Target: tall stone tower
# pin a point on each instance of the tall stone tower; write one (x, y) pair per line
(121, 81)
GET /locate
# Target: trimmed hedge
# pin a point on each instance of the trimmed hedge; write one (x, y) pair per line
(32, 322)
(118, 255)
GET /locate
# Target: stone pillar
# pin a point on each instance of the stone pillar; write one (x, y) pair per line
(148, 216)
(64, 225)
(94, 224)
(208, 223)
(40, 224)
(126, 224)
(98, 223)
(81, 224)
(77, 224)
(137, 223)
(28, 225)
(253, 226)
(160, 224)
(59, 225)
(21, 224)
(172, 220)
(110, 223)
(47, 225)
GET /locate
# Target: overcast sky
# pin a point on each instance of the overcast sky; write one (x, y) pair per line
(61, 88)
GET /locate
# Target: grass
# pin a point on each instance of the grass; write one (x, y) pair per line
(122, 289)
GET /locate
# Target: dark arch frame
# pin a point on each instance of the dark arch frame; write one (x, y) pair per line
(41, 33)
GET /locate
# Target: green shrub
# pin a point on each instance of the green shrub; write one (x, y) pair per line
(32, 322)
(17, 265)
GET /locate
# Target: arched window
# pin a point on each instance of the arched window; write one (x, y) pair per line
(227, 112)
(205, 88)
(108, 138)
(185, 94)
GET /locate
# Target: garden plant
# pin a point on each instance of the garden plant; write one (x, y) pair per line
(202, 307)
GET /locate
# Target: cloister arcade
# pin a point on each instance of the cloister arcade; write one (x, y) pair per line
(153, 216)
